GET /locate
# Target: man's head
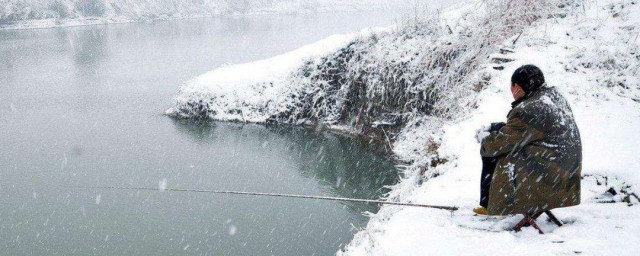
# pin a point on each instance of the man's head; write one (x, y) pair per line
(526, 79)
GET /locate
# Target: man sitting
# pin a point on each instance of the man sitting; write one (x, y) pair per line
(532, 163)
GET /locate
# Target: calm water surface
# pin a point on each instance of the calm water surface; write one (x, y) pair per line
(82, 106)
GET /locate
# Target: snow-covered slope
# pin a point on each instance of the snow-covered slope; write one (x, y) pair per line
(248, 92)
(426, 86)
(49, 13)
(369, 83)
(593, 59)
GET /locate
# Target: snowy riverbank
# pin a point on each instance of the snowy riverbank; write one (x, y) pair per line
(592, 58)
(26, 14)
(426, 86)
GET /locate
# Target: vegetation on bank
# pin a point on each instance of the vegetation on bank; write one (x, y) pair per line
(426, 66)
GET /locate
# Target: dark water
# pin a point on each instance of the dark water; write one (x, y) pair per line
(82, 106)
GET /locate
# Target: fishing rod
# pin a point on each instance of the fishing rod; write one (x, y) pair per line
(343, 199)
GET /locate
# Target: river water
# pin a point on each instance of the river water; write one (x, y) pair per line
(82, 106)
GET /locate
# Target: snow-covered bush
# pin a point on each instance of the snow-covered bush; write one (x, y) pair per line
(425, 66)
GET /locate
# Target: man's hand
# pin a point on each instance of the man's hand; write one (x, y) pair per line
(482, 132)
(496, 126)
(485, 130)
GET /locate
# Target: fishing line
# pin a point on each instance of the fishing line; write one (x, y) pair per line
(343, 199)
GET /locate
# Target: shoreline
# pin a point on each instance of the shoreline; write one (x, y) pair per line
(94, 21)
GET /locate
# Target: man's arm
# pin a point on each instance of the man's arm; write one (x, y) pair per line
(512, 137)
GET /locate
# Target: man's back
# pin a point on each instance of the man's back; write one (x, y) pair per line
(550, 112)
(540, 156)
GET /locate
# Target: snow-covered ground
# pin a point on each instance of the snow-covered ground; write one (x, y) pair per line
(591, 54)
(579, 56)
(22, 14)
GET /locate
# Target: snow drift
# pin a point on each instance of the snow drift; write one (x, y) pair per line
(425, 86)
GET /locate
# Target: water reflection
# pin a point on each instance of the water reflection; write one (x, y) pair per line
(89, 45)
(201, 132)
(9, 58)
(343, 166)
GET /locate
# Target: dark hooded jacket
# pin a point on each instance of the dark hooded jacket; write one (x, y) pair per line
(540, 156)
